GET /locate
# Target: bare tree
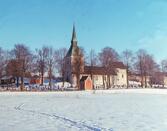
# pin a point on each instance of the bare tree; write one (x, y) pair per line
(128, 58)
(41, 60)
(59, 58)
(106, 57)
(51, 65)
(1, 62)
(140, 65)
(13, 69)
(163, 70)
(78, 65)
(151, 68)
(92, 62)
(23, 57)
(4, 58)
(146, 66)
(83, 52)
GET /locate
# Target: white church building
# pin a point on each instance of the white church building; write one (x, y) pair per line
(87, 77)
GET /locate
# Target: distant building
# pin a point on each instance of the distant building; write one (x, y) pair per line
(7, 80)
(158, 79)
(136, 79)
(35, 80)
(91, 77)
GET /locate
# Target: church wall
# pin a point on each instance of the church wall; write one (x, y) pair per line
(165, 81)
(68, 74)
(121, 77)
(98, 80)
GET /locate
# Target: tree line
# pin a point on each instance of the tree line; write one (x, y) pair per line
(21, 61)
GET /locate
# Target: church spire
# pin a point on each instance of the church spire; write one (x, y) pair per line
(74, 49)
(74, 37)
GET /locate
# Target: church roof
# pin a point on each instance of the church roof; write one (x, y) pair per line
(74, 49)
(95, 70)
(74, 37)
(118, 65)
(84, 78)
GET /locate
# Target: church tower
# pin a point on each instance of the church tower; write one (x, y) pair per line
(74, 61)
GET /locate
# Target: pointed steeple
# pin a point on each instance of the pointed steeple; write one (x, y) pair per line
(74, 37)
(73, 48)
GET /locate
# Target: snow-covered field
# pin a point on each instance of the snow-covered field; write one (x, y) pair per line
(114, 110)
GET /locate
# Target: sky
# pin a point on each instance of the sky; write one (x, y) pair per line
(120, 24)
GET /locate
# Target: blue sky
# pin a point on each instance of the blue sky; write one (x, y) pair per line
(120, 24)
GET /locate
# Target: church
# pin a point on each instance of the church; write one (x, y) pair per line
(85, 77)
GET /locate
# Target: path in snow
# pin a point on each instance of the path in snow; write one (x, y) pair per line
(80, 125)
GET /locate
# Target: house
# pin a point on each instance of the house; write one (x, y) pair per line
(86, 83)
(7, 80)
(160, 79)
(165, 81)
(136, 79)
(100, 76)
(35, 80)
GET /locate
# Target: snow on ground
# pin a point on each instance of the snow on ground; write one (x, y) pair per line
(114, 110)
